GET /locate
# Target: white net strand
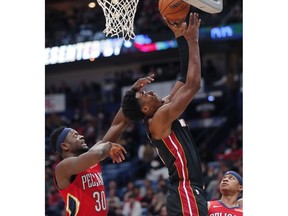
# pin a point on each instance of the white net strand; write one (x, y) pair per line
(119, 16)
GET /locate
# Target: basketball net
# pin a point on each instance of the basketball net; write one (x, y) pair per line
(119, 16)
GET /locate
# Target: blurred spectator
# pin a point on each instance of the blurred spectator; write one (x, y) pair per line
(112, 185)
(147, 153)
(132, 207)
(113, 201)
(212, 191)
(159, 198)
(137, 194)
(128, 190)
(53, 196)
(147, 184)
(147, 198)
(163, 211)
(55, 202)
(157, 170)
(209, 175)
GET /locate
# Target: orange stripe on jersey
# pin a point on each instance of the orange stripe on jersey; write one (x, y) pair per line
(187, 198)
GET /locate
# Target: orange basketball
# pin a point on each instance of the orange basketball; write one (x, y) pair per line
(173, 10)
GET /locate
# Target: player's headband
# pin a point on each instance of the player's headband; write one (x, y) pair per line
(236, 175)
(61, 139)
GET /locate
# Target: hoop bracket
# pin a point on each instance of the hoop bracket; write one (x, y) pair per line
(209, 6)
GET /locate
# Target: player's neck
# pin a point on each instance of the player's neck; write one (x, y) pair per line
(229, 201)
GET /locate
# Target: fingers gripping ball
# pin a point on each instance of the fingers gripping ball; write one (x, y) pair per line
(173, 10)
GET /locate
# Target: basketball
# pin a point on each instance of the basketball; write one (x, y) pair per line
(173, 10)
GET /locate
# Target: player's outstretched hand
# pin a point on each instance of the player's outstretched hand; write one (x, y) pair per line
(117, 153)
(191, 32)
(140, 83)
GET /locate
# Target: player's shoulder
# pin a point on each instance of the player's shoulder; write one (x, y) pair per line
(240, 202)
(212, 203)
(63, 164)
(208, 204)
(159, 124)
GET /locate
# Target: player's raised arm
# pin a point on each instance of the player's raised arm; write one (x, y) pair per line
(184, 54)
(186, 92)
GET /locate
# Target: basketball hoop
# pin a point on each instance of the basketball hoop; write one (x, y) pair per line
(209, 6)
(119, 16)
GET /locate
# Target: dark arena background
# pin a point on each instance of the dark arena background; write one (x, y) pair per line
(86, 73)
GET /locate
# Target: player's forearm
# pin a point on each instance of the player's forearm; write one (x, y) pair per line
(194, 65)
(184, 55)
(119, 124)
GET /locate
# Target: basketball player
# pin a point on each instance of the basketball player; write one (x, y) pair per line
(230, 187)
(169, 134)
(69, 179)
(78, 176)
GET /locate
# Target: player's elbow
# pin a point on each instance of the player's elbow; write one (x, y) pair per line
(197, 83)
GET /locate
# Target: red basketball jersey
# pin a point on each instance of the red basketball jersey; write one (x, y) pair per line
(218, 209)
(86, 194)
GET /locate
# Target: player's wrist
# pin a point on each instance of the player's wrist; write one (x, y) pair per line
(181, 41)
(178, 34)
